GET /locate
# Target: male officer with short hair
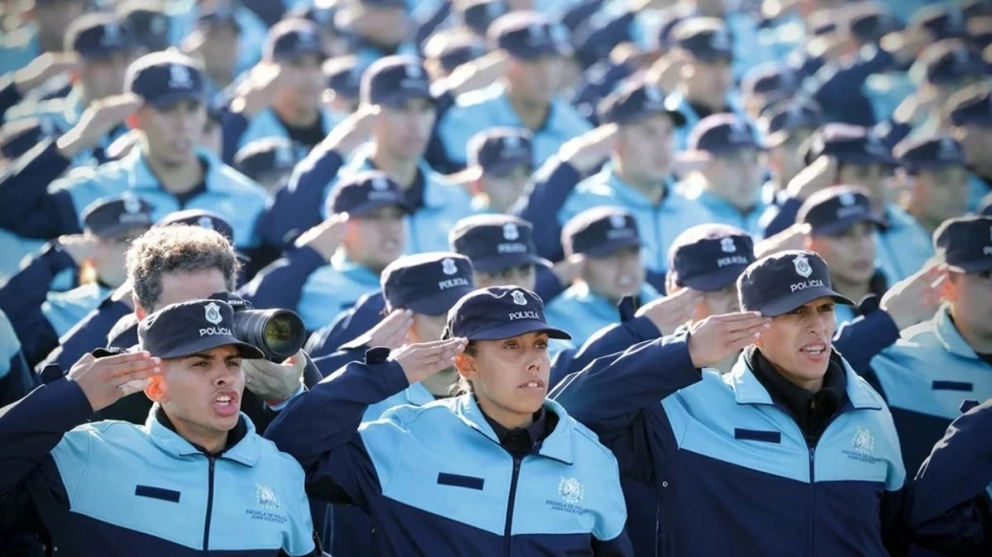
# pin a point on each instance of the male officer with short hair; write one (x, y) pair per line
(500, 164)
(101, 487)
(791, 436)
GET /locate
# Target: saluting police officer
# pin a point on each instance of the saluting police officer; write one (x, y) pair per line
(790, 437)
(195, 480)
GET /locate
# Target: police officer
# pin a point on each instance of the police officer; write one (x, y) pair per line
(418, 290)
(167, 170)
(511, 440)
(500, 164)
(937, 179)
(608, 240)
(795, 436)
(344, 258)
(969, 115)
(294, 49)
(638, 177)
(526, 97)
(765, 85)
(785, 127)
(214, 42)
(344, 78)
(42, 309)
(502, 251)
(842, 230)
(190, 365)
(728, 182)
(939, 363)
(51, 18)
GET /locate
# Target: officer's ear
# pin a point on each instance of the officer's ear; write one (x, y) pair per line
(139, 311)
(465, 364)
(949, 289)
(156, 391)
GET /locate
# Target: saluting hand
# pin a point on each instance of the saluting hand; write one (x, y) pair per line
(587, 151)
(391, 331)
(672, 311)
(420, 361)
(104, 381)
(915, 298)
(719, 336)
(326, 236)
(351, 132)
(43, 68)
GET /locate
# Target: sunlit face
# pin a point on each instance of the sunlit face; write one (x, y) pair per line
(301, 82)
(173, 133)
(510, 376)
(737, 178)
(385, 27)
(220, 50)
(503, 191)
(646, 148)
(535, 81)
(970, 296)
(782, 159)
(710, 81)
(201, 394)
(850, 256)
(977, 144)
(54, 17)
(375, 239)
(616, 275)
(110, 255)
(798, 343)
(103, 77)
(404, 130)
(872, 177)
(522, 276)
(941, 194)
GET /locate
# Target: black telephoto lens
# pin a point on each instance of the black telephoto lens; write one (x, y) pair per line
(278, 333)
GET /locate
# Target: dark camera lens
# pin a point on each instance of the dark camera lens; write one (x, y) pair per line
(278, 333)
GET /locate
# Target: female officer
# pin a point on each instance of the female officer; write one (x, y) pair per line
(497, 469)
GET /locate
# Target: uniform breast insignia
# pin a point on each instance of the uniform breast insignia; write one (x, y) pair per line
(268, 501)
(570, 490)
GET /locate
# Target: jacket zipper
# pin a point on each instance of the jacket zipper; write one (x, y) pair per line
(508, 543)
(210, 504)
(812, 502)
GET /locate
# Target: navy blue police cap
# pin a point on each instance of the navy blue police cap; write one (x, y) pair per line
(965, 243)
(929, 153)
(265, 156)
(199, 217)
(850, 145)
(705, 38)
(117, 217)
(942, 20)
(773, 79)
(528, 36)
(293, 38)
(724, 133)
(495, 242)
(98, 35)
(383, 3)
(779, 123)
(394, 80)
(985, 205)
(499, 312)
(781, 282)
(146, 22)
(189, 328)
(344, 75)
(947, 62)
(500, 151)
(868, 27)
(428, 283)
(459, 50)
(365, 192)
(633, 102)
(831, 211)
(478, 15)
(600, 231)
(971, 106)
(710, 257)
(164, 79)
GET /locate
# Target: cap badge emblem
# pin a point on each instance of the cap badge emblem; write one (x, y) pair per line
(512, 142)
(158, 24)
(413, 71)
(535, 32)
(803, 268)
(132, 204)
(847, 199)
(948, 150)
(510, 231)
(179, 77)
(720, 40)
(652, 94)
(518, 298)
(212, 313)
(380, 184)
(739, 132)
(205, 222)
(618, 221)
(448, 266)
(727, 245)
(111, 35)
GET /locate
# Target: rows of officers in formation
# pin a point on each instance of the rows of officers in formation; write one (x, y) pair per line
(577, 277)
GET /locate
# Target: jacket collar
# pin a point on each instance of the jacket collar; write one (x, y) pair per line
(748, 390)
(948, 334)
(558, 445)
(140, 175)
(245, 451)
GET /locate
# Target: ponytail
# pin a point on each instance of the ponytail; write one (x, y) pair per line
(463, 386)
